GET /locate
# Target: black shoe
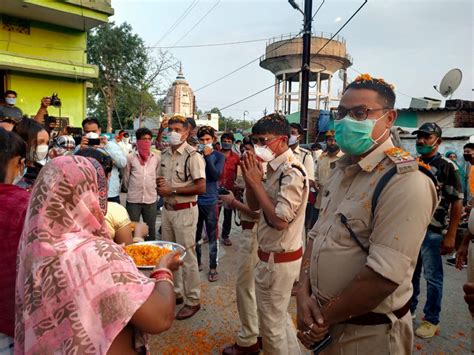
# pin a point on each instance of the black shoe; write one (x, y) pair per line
(451, 261)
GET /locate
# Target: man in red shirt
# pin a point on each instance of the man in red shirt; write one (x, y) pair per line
(227, 180)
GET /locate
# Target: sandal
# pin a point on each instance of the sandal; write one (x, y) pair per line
(213, 276)
(227, 242)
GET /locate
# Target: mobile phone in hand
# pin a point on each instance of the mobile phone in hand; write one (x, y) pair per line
(321, 345)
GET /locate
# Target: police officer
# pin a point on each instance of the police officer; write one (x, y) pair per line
(246, 342)
(181, 178)
(282, 201)
(362, 251)
(326, 163)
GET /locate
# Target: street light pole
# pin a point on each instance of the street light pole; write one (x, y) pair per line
(305, 67)
(245, 113)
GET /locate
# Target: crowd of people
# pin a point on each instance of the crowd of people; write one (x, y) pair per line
(346, 226)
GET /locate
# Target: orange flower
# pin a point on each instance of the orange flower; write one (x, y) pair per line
(421, 163)
(397, 153)
(145, 255)
(363, 77)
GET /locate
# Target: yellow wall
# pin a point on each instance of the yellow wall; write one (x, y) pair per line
(47, 41)
(31, 88)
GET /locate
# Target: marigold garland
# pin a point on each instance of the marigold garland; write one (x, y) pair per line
(367, 77)
(423, 164)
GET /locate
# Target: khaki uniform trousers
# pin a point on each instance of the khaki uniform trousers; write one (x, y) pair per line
(273, 283)
(470, 279)
(180, 227)
(395, 338)
(245, 288)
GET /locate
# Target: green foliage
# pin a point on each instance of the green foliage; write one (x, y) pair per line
(124, 88)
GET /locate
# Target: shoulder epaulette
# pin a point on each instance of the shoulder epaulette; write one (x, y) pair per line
(404, 161)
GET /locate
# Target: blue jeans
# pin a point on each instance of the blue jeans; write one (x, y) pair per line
(208, 214)
(431, 262)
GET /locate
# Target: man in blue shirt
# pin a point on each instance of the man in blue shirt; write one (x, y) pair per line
(207, 202)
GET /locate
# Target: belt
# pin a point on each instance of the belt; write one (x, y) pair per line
(179, 206)
(372, 318)
(281, 257)
(247, 224)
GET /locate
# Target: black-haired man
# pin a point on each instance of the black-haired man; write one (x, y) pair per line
(181, 179)
(227, 180)
(428, 140)
(10, 114)
(207, 202)
(139, 178)
(91, 130)
(282, 201)
(361, 253)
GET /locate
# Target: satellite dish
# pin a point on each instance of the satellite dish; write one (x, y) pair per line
(449, 83)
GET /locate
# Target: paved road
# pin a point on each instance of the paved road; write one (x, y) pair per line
(217, 322)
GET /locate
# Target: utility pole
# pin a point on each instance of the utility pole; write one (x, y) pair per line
(305, 66)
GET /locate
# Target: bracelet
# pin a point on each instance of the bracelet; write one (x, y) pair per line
(163, 269)
(165, 280)
(158, 274)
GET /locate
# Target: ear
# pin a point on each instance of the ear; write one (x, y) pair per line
(391, 117)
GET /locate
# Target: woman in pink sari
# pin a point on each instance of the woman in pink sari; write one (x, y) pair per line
(77, 292)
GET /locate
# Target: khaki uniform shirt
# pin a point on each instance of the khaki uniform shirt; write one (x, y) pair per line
(323, 170)
(305, 157)
(393, 234)
(180, 173)
(289, 198)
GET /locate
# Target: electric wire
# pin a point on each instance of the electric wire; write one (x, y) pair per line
(245, 65)
(319, 8)
(213, 44)
(197, 23)
(313, 56)
(178, 21)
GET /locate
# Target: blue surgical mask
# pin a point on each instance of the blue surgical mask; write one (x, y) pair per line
(202, 146)
(355, 137)
(226, 146)
(10, 100)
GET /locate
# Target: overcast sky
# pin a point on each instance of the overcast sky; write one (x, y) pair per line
(410, 43)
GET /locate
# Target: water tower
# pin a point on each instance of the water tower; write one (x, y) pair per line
(283, 58)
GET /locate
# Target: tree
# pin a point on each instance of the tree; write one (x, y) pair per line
(129, 76)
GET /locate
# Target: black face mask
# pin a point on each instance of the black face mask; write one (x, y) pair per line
(467, 157)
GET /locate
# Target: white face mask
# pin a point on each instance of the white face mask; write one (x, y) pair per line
(126, 140)
(17, 178)
(293, 139)
(41, 153)
(174, 138)
(10, 100)
(264, 153)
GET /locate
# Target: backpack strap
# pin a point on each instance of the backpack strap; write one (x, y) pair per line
(389, 175)
(378, 190)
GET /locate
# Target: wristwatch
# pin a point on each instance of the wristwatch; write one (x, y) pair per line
(173, 193)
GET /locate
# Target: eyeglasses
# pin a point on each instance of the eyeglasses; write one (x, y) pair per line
(359, 113)
(262, 140)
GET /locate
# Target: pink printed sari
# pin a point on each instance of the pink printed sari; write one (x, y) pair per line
(75, 288)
